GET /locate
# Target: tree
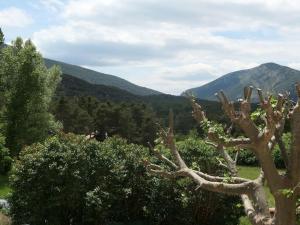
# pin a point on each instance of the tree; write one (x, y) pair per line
(261, 141)
(31, 87)
(2, 83)
(5, 159)
(1, 37)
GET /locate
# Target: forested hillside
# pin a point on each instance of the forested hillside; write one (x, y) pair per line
(72, 90)
(72, 86)
(94, 77)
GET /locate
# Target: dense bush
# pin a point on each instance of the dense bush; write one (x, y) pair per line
(203, 207)
(246, 158)
(69, 180)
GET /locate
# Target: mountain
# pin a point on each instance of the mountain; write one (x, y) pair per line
(94, 77)
(73, 86)
(270, 77)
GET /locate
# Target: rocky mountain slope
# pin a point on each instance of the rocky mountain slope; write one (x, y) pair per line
(270, 77)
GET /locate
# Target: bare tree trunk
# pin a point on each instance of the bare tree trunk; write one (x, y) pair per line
(285, 210)
(261, 141)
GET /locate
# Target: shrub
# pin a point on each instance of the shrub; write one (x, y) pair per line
(204, 207)
(246, 158)
(70, 180)
(194, 206)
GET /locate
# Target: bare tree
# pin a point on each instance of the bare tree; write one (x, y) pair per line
(260, 140)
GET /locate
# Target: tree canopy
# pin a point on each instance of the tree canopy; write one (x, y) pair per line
(28, 87)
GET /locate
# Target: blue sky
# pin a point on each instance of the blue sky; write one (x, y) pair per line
(166, 45)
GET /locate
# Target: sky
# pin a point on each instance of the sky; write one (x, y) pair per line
(169, 46)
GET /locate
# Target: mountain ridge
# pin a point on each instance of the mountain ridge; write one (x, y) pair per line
(95, 77)
(270, 77)
(75, 87)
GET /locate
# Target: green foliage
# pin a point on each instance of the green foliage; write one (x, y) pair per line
(259, 113)
(181, 106)
(29, 87)
(134, 121)
(246, 158)
(200, 206)
(5, 189)
(85, 182)
(72, 86)
(160, 104)
(1, 37)
(5, 159)
(287, 192)
(244, 221)
(213, 127)
(90, 182)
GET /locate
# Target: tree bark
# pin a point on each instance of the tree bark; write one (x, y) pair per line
(285, 210)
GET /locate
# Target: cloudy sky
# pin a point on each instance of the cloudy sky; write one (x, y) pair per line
(166, 45)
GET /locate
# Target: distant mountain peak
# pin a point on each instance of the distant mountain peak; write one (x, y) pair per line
(270, 65)
(270, 77)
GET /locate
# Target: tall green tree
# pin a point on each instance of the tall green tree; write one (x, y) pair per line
(31, 87)
(1, 82)
(1, 37)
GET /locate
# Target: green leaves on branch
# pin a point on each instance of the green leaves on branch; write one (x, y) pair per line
(212, 126)
(259, 113)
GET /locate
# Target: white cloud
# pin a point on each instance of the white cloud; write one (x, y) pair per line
(14, 17)
(54, 5)
(172, 46)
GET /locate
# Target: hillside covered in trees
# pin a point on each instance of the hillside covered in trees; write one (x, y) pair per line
(71, 91)
(94, 77)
